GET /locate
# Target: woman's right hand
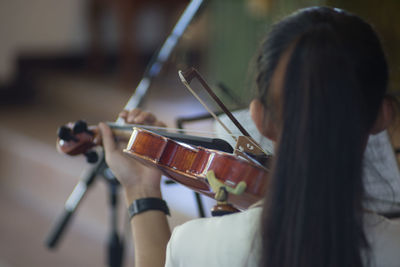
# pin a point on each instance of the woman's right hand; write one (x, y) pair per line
(138, 180)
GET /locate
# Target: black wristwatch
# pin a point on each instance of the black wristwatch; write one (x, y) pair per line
(144, 204)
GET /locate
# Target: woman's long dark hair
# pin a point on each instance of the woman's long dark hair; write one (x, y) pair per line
(334, 84)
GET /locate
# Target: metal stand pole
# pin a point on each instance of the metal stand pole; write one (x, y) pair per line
(72, 203)
(115, 241)
(158, 60)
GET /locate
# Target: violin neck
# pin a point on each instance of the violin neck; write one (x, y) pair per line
(121, 132)
(122, 135)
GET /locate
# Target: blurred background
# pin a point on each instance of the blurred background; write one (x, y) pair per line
(62, 61)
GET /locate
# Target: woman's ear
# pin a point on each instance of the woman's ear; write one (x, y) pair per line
(385, 116)
(263, 120)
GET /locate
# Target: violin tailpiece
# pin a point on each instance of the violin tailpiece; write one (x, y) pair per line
(248, 145)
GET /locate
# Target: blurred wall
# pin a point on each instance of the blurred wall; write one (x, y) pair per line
(39, 25)
(384, 16)
(236, 30)
(237, 27)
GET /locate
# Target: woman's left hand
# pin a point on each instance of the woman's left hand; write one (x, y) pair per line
(137, 179)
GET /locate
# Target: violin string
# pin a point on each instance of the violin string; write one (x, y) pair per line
(129, 127)
(209, 134)
(205, 106)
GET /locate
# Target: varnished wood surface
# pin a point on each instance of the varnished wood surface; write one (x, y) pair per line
(189, 165)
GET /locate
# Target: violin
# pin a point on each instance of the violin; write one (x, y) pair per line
(78, 138)
(213, 171)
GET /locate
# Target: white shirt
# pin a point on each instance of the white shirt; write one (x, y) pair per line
(232, 240)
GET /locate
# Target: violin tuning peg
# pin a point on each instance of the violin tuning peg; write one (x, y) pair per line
(64, 133)
(91, 156)
(80, 127)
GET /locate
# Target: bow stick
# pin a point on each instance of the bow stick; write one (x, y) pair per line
(243, 143)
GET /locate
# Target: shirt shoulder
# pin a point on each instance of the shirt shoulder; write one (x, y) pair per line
(230, 240)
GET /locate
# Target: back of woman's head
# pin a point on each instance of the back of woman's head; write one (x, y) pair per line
(334, 83)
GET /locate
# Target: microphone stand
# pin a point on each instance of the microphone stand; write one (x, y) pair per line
(73, 201)
(115, 243)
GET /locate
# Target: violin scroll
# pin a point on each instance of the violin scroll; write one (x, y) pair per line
(77, 138)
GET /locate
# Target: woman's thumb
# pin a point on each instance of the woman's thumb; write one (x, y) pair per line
(107, 136)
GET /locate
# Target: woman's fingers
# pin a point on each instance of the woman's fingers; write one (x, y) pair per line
(145, 118)
(131, 118)
(138, 116)
(160, 124)
(123, 114)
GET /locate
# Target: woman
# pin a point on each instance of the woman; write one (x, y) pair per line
(322, 79)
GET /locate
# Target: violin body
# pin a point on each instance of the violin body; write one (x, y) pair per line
(189, 165)
(183, 163)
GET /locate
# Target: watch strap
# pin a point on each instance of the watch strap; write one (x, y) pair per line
(144, 204)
